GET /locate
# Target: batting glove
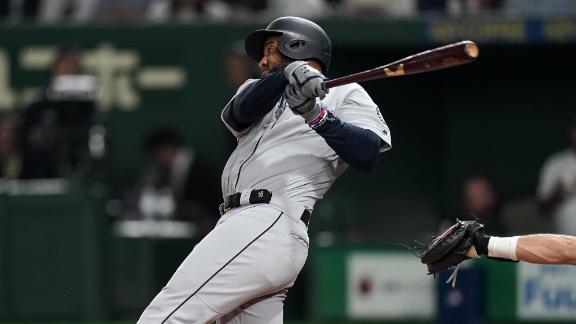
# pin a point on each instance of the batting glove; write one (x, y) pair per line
(307, 79)
(302, 105)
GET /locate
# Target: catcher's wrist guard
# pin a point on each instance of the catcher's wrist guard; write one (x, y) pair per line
(480, 241)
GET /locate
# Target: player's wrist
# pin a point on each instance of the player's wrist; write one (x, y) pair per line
(317, 115)
(480, 241)
(502, 247)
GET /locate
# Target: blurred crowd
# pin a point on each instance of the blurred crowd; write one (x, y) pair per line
(50, 11)
(60, 135)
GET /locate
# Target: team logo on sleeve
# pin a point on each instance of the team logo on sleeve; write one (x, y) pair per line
(379, 114)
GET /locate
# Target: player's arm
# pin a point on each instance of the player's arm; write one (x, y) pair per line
(358, 146)
(253, 101)
(535, 248)
(547, 249)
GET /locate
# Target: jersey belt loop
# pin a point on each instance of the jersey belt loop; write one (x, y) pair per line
(245, 197)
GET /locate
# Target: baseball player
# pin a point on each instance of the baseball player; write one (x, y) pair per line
(294, 140)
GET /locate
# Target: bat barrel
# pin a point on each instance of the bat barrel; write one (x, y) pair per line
(431, 60)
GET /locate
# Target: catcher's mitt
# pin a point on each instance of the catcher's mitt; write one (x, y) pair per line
(450, 248)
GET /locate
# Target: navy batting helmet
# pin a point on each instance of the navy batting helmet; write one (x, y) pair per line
(300, 39)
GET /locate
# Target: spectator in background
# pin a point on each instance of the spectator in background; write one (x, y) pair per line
(16, 10)
(557, 187)
(122, 9)
(393, 8)
(10, 162)
(52, 11)
(239, 67)
(481, 201)
(179, 10)
(301, 8)
(189, 10)
(177, 185)
(539, 8)
(432, 5)
(54, 130)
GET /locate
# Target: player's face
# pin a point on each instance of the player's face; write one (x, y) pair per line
(272, 60)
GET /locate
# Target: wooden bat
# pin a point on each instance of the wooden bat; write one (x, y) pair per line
(435, 59)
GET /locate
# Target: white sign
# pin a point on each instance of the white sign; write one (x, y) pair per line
(546, 291)
(388, 285)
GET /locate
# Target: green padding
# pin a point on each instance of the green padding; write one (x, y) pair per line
(500, 290)
(52, 255)
(329, 277)
(4, 274)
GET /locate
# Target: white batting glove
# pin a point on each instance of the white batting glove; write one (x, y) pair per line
(300, 104)
(309, 80)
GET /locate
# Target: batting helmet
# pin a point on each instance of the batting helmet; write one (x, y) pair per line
(300, 39)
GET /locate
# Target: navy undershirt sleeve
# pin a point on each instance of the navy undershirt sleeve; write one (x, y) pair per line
(256, 100)
(357, 146)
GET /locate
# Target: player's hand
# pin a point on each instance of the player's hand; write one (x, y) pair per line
(307, 79)
(301, 104)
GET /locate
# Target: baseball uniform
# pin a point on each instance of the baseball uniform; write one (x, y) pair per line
(239, 273)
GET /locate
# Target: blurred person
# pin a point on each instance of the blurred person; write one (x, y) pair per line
(10, 161)
(294, 140)
(4, 9)
(67, 10)
(177, 185)
(239, 67)
(556, 192)
(55, 128)
(393, 8)
(16, 10)
(464, 7)
(539, 8)
(180, 10)
(432, 5)
(122, 9)
(189, 10)
(301, 8)
(482, 202)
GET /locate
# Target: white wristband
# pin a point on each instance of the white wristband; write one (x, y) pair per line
(503, 247)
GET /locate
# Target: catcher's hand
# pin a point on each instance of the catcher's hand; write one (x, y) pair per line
(451, 247)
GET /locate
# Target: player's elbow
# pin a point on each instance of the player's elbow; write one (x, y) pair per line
(368, 161)
(367, 157)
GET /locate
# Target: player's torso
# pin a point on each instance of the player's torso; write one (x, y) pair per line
(283, 154)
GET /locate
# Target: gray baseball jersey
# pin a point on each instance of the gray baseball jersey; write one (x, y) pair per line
(283, 154)
(240, 271)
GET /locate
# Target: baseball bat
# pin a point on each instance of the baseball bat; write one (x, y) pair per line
(435, 59)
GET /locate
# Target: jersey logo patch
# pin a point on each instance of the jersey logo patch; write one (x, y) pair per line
(379, 114)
